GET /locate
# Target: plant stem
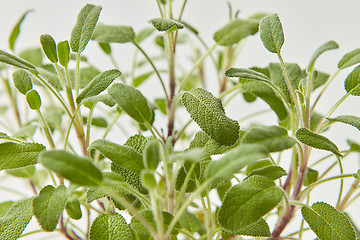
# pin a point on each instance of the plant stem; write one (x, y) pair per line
(13, 100)
(343, 204)
(46, 130)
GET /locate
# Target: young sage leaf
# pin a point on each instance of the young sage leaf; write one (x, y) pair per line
(49, 205)
(249, 74)
(84, 27)
(79, 170)
(272, 172)
(208, 112)
(49, 47)
(327, 222)
(347, 119)
(316, 141)
(164, 24)
(63, 51)
(16, 30)
(330, 45)
(132, 101)
(113, 34)
(72, 207)
(247, 202)
(235, 31)
(33, 99)
(104, 98)
(349, 59)
(22, 81)
(311, 176)
(190, 222)
(352, 82)
(98, 84)
(16, 61)
(271, 33)
(143, 34)
(110, 226)
(151, 156)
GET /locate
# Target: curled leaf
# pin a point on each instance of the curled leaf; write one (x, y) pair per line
(113, 34)
(164, 24)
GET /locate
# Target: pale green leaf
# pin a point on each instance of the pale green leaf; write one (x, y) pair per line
(63, 51)
(113, 34)
(49, 205)
(311, 176)
(316, 141)
(24, 172)
(272, 172)
(319, 79)
(245, 73)
(235, 31)
(96, 121)
(247, 202)
(143, 34)
(352, 82)
(164, 24)
(330, 45)
(17, 155)
(104, 98)
(327, 222)
(105, 47)
(16, 61)
(79, 170)
(110, 227)
(140, 79)
(32, 55)
(190, 222)
(347, 119)
(72, 207)
(148, 180)
(138, 142)
(132, 101)
(98, 84)
(271, 33)
(124, 156)
(15, 220)
(26, 131)
(49, 47)
(258, 229)
(16, 30)
(274, 138)
(22, 81)
(151, 156)
(33, 99)
(349, 59)
(84, 27)
(86, 75)
(208, 112)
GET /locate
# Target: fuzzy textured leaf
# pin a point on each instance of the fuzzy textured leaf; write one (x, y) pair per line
(164, 24)
(84, 27)
(347, 119)
(15, 220)
(330, 45)
(33, 99)
(72, 207)
(22, 81)
(110, 227)
(63, 51)
(247, 202)
(235, 31)
(327, 222)
(349, 59)
(316, 141)
(271, 33)
(104, 98)
(49, 205)
(16, 30)
(190, 222)
(49, 47)
(132, 101)
(258, 229)
(17, 155)
(272, 172)
(16, 61)
(208, 112)
(352, 82)
(113, 34)
(98, 84)
(245, 73)
(79, 170)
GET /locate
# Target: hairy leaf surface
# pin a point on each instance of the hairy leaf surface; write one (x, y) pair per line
(164, 24)
(271, 33)
(245, 73)
(349, 59)
(330, 45)
(33, 99)
(272, 172)
(113, 34)
(22, 81)
(352, 82)
(49, 47)
(258, 229)
(16, 61)
(110, 227)
(63, 51)
(72, 207)
(347, 119)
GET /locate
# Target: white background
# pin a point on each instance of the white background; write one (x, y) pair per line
(307, 24)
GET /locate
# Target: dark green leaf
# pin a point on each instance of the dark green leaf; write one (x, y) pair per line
(164, 24)
(105, 47)
(347, 119)
(49, 47)
(235, 31)
(151, 156)
(330, 45)
(96, 121)
(16, 30)
(311, 176)
(33, 99)
(258, 229)
(63, 51)
(104, 98)
(247, 202)
(84, 27)
(72, 207)
(327, 222)
(22, 81)
(79, 170)
(49, 205)
(113, 34)
(98, 84)
(138, 142)
(17, 155)
(316, 141)
(349, 59)
(110, 227)
(271, 33)
(272, 172)
(352, 82)
(140, 79)
(131, 101)
(208, 112)
(161, 104)
(16, 61)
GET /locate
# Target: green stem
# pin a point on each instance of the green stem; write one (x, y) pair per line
(46, 130)
(70, 125)
(77, 75)
(13, 100)
(88, 126)
(158, 214)
(341, 182)
(111, 125)
(342, 206)
(159, 6)
(33, 232)
(68, 90)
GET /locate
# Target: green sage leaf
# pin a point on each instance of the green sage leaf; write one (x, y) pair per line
(208, 112)
(271, 33)
(16, 30)
(258, 229)
(49, 47)
(272, 172)
(16, 61)
(316, 141)
(357, 175)
(151, 156)
(140, 79)
(17, 155)
(22, 81)
(131, 101)
(330, 45)
(98, 84)
(104, 98)
(113, 34)
(349, 59)
(352, 82)
(247, 202)
(110, 227)
(33, 99)
(32, 55)
(164, 24)
(79, 170)
(235, 31)
(84, 27)
(143, 34)
(327, 222)
(190, 222)
(347, 119)
(72, 207)
(249, 74)
(24, 172)
(311, 176)
(49, 205)
(63, 51)
(105, 47)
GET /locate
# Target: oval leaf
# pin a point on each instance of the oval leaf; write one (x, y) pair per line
(16, 30)
(208, 112)
(16, 61)
(235, 31)
(272, 172)
(72, 208)
(63, 51)
(98, 84)
(349, 59)
(77, 169)
(110, 226)
(330, 45)
(22, 81)
(113, 34)
(49, 205)
(352, 82)
(164, 24)
(316, 141)
(17, 155)
(84, 27)
(245, 73)
(271, 33)
(327, 222)
(33, 99)
(247, 202)
(49, 47)
(131, 101)
(347, 119)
